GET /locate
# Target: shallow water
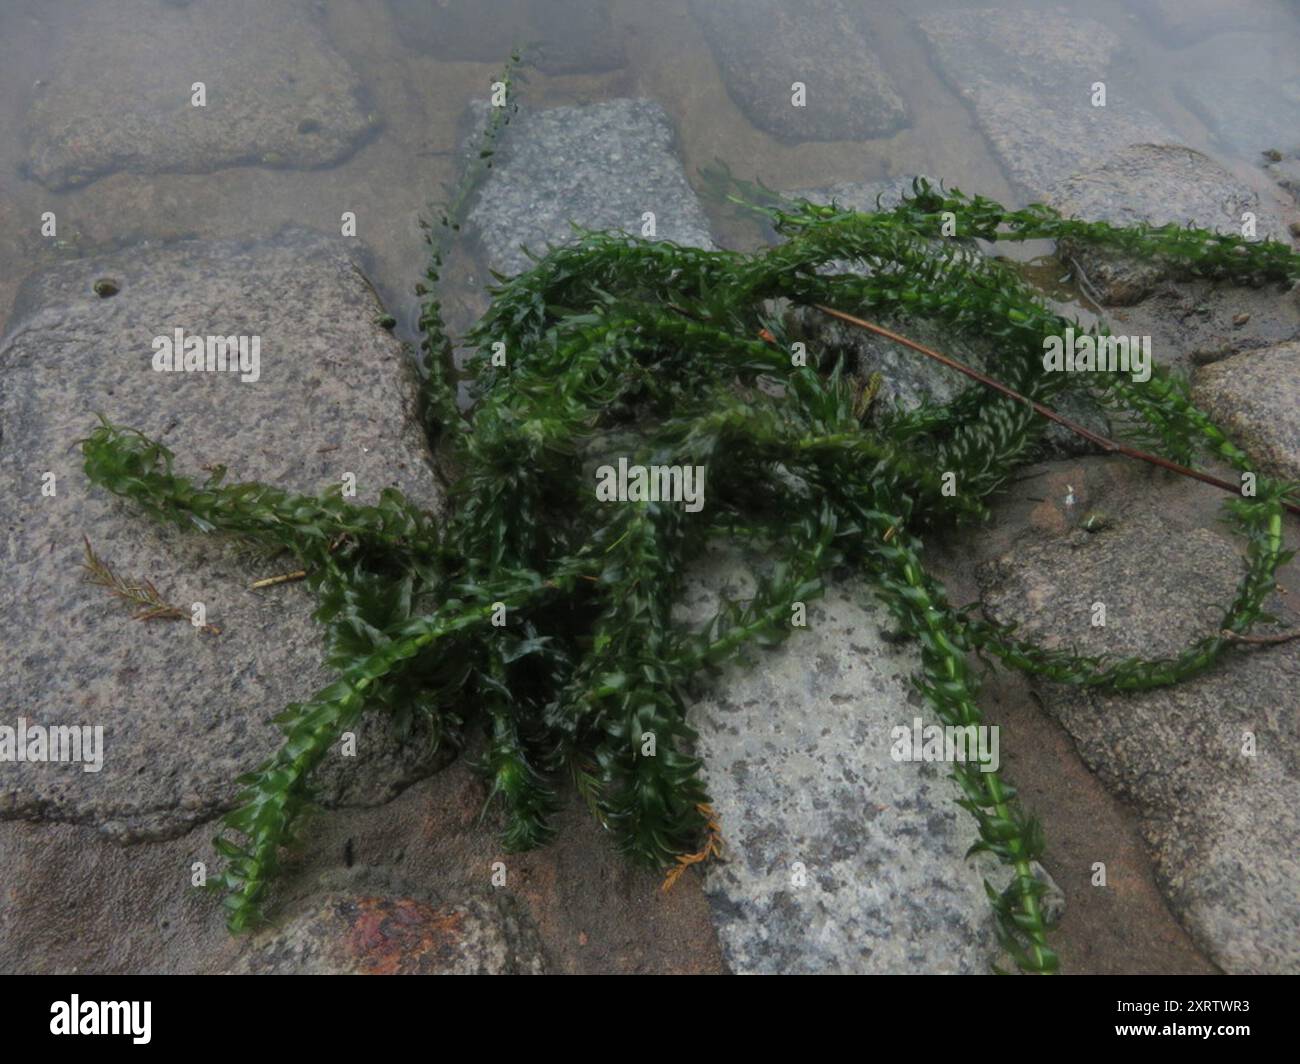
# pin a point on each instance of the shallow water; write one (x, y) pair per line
(413, 84)
(415, 81)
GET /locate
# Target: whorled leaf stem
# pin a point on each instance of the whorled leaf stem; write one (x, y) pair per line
(680, 357)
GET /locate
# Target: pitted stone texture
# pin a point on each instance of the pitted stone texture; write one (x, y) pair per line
(602, 166)
(763, 47)
(1156, 184)
(278, 94)
(185, 713)
(1221, 824)
(797, 762)
(1255, 398)
(345, 935)
(1027, 76)
(557, 37)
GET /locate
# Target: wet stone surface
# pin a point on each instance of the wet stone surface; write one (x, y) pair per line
(1249, 113)
(1155, 184)
(763, 47)
(557, 37)
(1255, 398)
(1184, 21)
(602, 166)
(185, 712)
(839, 858)
(1028, 81)
(279, 96)
(1285, 170)
(73, 901)
(1219, 822)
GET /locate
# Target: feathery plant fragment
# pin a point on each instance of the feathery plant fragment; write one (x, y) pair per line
(660, 348)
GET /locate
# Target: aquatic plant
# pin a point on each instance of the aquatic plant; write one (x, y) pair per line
(545, 617)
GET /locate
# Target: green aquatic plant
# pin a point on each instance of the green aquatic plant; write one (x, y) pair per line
(545, 617)
(439, 410)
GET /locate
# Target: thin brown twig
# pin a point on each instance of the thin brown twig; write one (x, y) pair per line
(300, 574)
(149, 604)
(1281, 637)
(283, 578)
(1107, 445)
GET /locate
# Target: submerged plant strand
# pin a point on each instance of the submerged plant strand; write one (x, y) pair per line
(677, 356)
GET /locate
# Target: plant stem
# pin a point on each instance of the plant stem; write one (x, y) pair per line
(1108, 445)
